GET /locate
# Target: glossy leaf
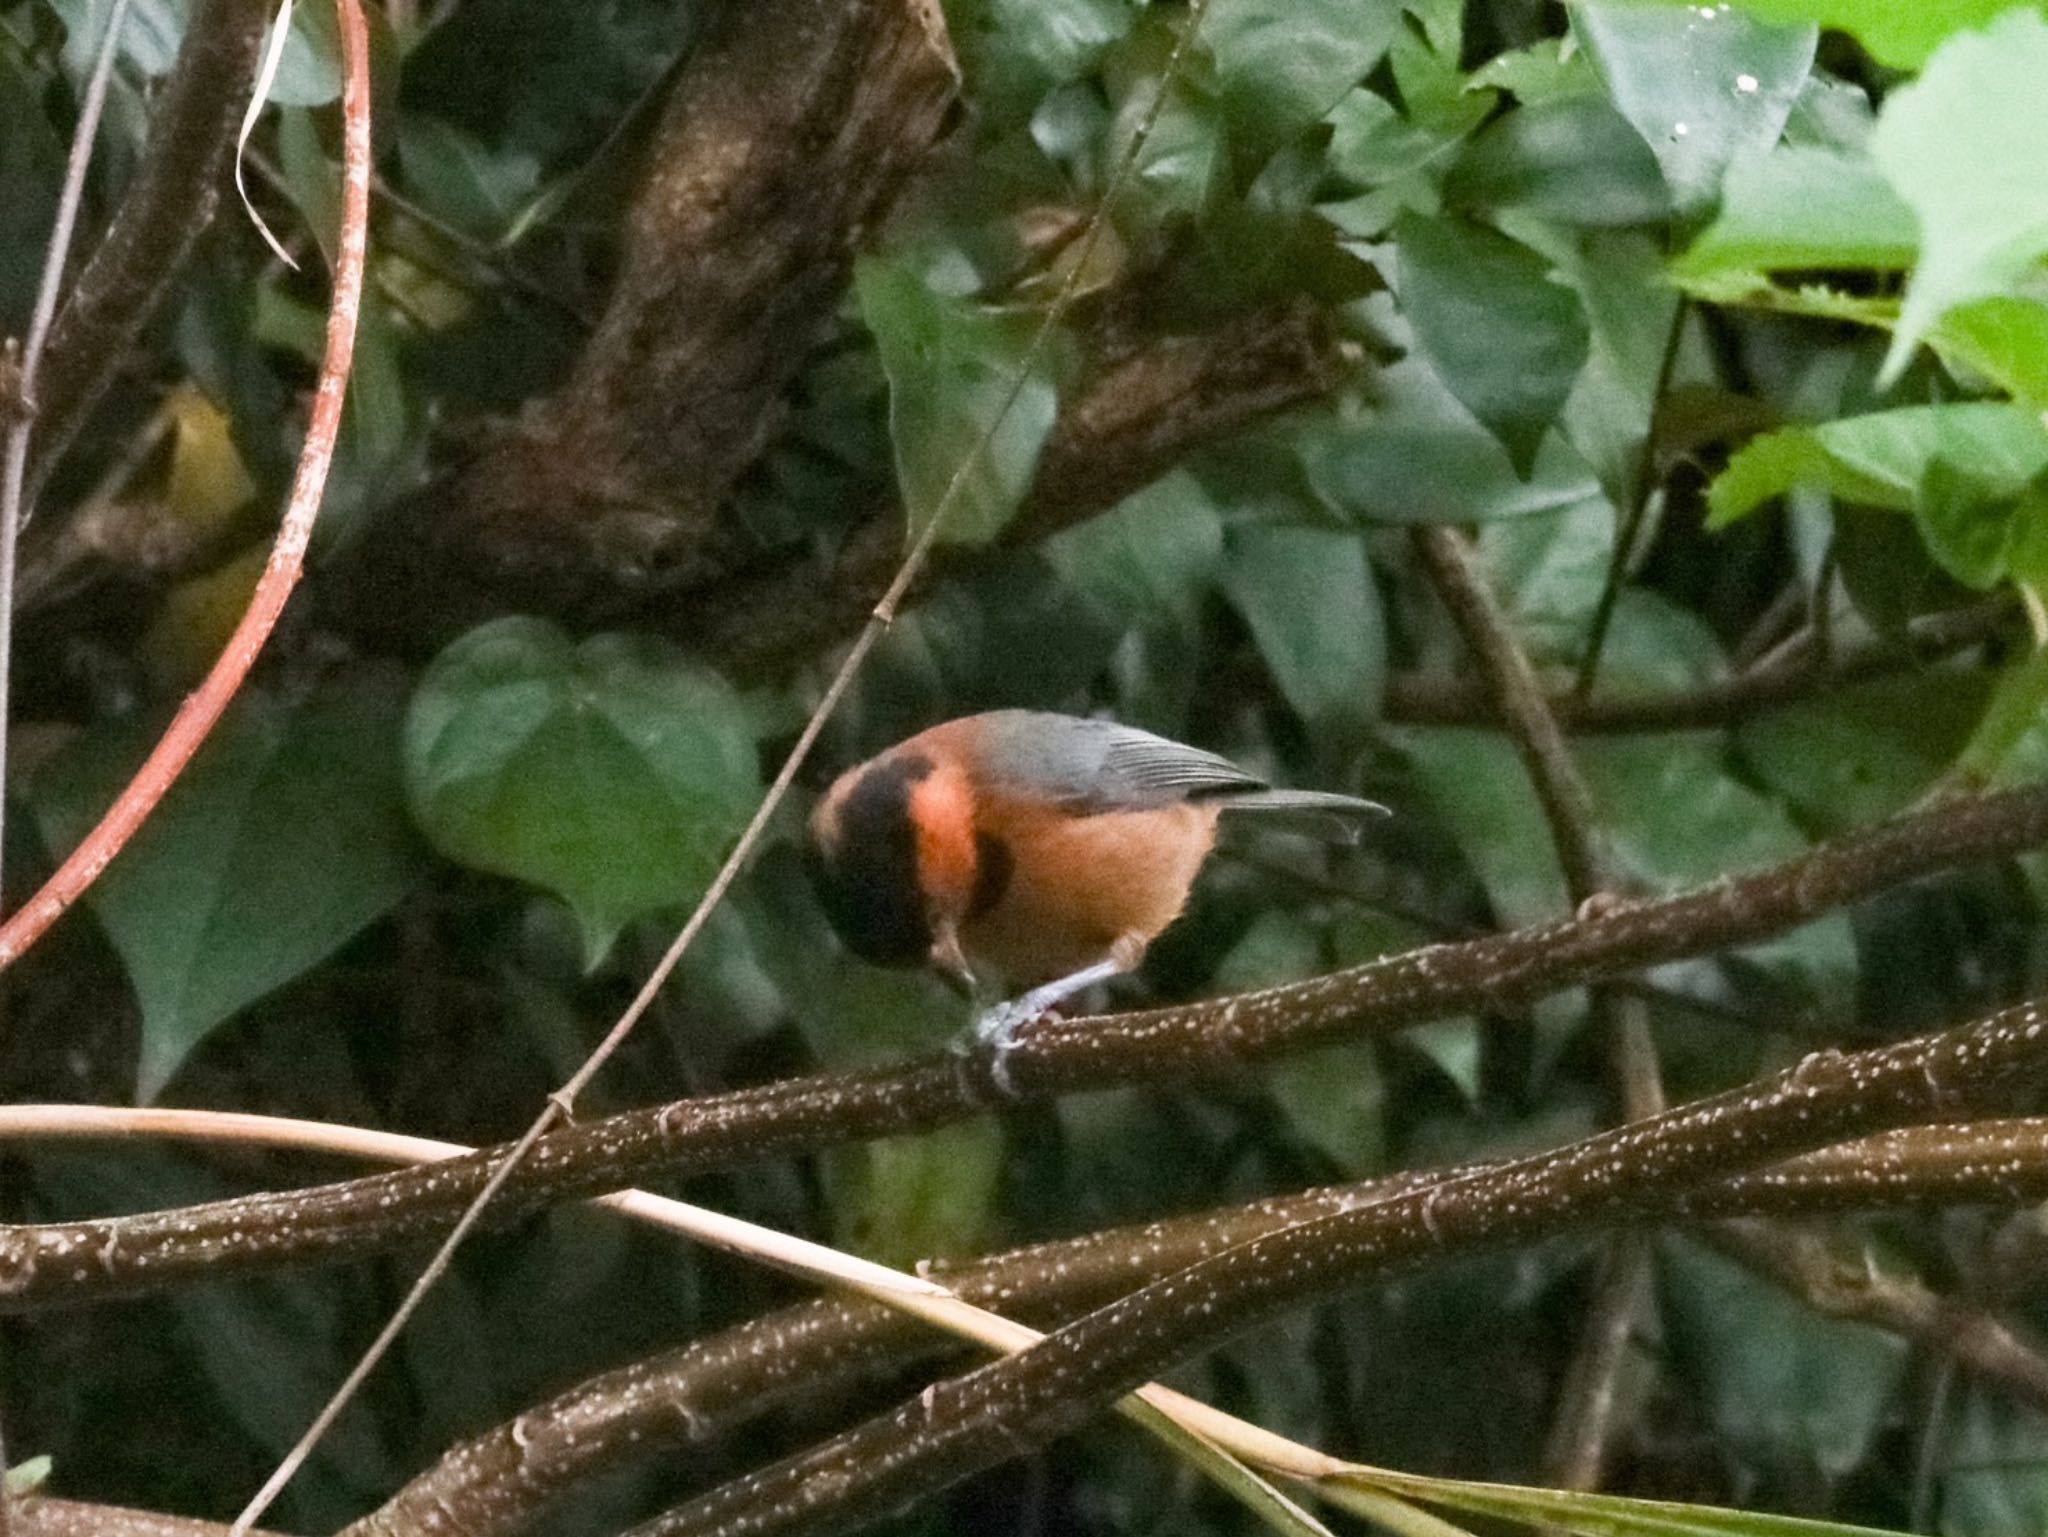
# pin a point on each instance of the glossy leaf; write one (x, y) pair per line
(1779, 1381)
(1857, 755)
(1961, 144)
(1573, 159)
(1308, 596)
(1881, 460)
(611, 772)
(1702, 85)
(1282, 64)
(1901, 35)
(1797, 208)
(1507, 339)
(285, 838)
(962, 403)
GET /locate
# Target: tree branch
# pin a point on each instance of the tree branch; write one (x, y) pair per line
(959, 1426)
(1801, 671)
(1143, 409)
(500, 1482)
(168, 205)
(789, 131)
(55, 1264)
(1584, 1421)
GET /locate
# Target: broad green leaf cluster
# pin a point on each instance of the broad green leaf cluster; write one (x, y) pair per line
(1721, 329)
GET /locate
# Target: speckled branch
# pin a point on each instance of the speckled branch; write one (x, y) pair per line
(499, 1483)
(957, 1427)
(63, 1263)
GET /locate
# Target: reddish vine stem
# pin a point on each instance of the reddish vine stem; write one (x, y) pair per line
(204, 707)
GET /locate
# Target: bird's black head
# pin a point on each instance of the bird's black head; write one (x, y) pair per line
(863, 861)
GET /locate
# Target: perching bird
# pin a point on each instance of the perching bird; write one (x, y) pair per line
(1042, 850)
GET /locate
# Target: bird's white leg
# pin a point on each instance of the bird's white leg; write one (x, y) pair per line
(997, 1028)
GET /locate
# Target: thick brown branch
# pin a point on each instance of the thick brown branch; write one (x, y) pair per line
(1137, 415)
(793, 126)
(499, 1483)
(62, 1263)
(172, 199)
(959, 1426)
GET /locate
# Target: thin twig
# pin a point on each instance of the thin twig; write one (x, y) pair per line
(561, 1104)
(20, 412)
(203, 708)
(1584, 1421)
(1640, 487)
(1792, 671)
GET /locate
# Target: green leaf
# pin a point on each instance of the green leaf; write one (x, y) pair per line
(1573, 159)
(1309, 598)
(1901, 33)
(1508, 341)
(613, 772)
(1155, 554)
(1963, 146)
(1964, 522)
(1672, 811)
(1701, 85)
(1421, 458)
(1854, 756)
(2005, 339)
(1590, 1515)
(455, 175)
(1800, 208)
(900, 1200)
(1881, 459)
(150, 34)
(2013, 726)
(961, 401)
(1994, 1456)
(1780, 1382)
(1282, 64)
(285, 838)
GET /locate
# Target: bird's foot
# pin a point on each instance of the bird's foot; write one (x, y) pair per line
(995, 1032)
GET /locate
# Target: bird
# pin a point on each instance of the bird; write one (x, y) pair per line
(1038, 850)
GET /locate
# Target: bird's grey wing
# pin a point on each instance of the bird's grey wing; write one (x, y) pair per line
(1099, 765)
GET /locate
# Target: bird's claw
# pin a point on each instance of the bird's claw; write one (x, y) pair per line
(995, 1032)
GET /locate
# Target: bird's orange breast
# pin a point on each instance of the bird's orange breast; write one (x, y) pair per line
(1080, 886)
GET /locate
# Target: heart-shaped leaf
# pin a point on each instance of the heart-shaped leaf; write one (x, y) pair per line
(612, 772)
(285, 838)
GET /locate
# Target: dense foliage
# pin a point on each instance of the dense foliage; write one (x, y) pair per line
(1723, 329)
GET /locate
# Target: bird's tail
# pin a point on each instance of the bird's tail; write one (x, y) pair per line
(1317, 813)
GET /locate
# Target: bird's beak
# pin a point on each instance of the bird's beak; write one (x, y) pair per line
(949, 958)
